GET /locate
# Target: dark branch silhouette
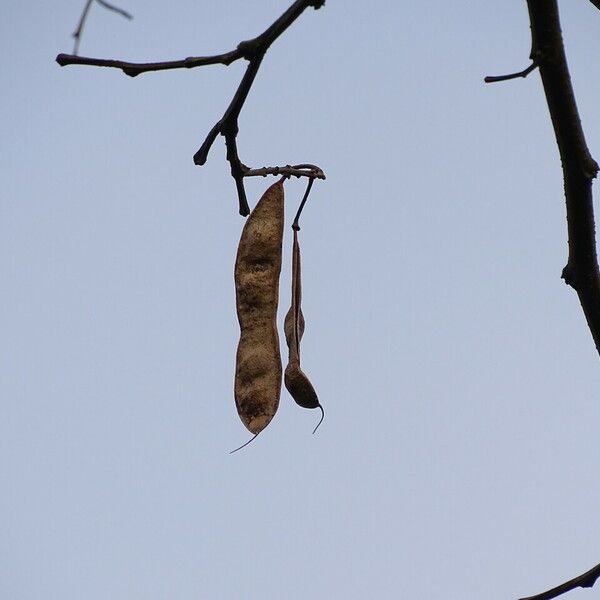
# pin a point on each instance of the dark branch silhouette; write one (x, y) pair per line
(133, 69)
(579, 170)
(586, 580)
(251, 50)
(523, 73)
(114, 8)
(304, 170)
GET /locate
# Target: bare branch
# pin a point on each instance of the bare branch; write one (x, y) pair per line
(579, 168)
(596, 3)
(133, 69)
(586, 580)
(251, 50)
(523, 73)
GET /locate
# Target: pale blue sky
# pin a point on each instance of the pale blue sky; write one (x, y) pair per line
(459, 453)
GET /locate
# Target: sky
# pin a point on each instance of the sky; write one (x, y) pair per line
(458, 457)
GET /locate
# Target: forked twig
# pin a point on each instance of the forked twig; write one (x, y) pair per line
(251, 50)
(82, 19)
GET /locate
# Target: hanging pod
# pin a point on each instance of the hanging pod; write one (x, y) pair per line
(258, 367)
(296, 381)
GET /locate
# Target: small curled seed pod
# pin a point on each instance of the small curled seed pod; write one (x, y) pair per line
(296, 382)
(257, 267)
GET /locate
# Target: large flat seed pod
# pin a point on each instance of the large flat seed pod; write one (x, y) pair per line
(257, 268)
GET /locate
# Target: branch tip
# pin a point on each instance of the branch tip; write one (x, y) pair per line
(523, 73)
(116, 9)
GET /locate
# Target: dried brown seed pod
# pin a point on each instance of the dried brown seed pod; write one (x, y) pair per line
(257, 267)
(296, 381)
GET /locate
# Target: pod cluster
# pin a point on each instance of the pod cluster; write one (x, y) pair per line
(258, 369)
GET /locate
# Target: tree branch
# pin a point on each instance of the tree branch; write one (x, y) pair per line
(586, 580)
(251, 50)
(133, 69)
(579, 168)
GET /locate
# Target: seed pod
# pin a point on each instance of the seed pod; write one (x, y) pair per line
(296, 382)
(257, 267)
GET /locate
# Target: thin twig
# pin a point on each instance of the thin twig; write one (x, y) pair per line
(289, 170)
(295, 224)
(116, 9)
(86, 9)
(133, 69)
(77, 33)
(586, 580)
(251, 50)
(523, 73)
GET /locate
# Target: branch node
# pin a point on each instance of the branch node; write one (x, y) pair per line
(590, 168)
(251, 49)
(569, 276)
